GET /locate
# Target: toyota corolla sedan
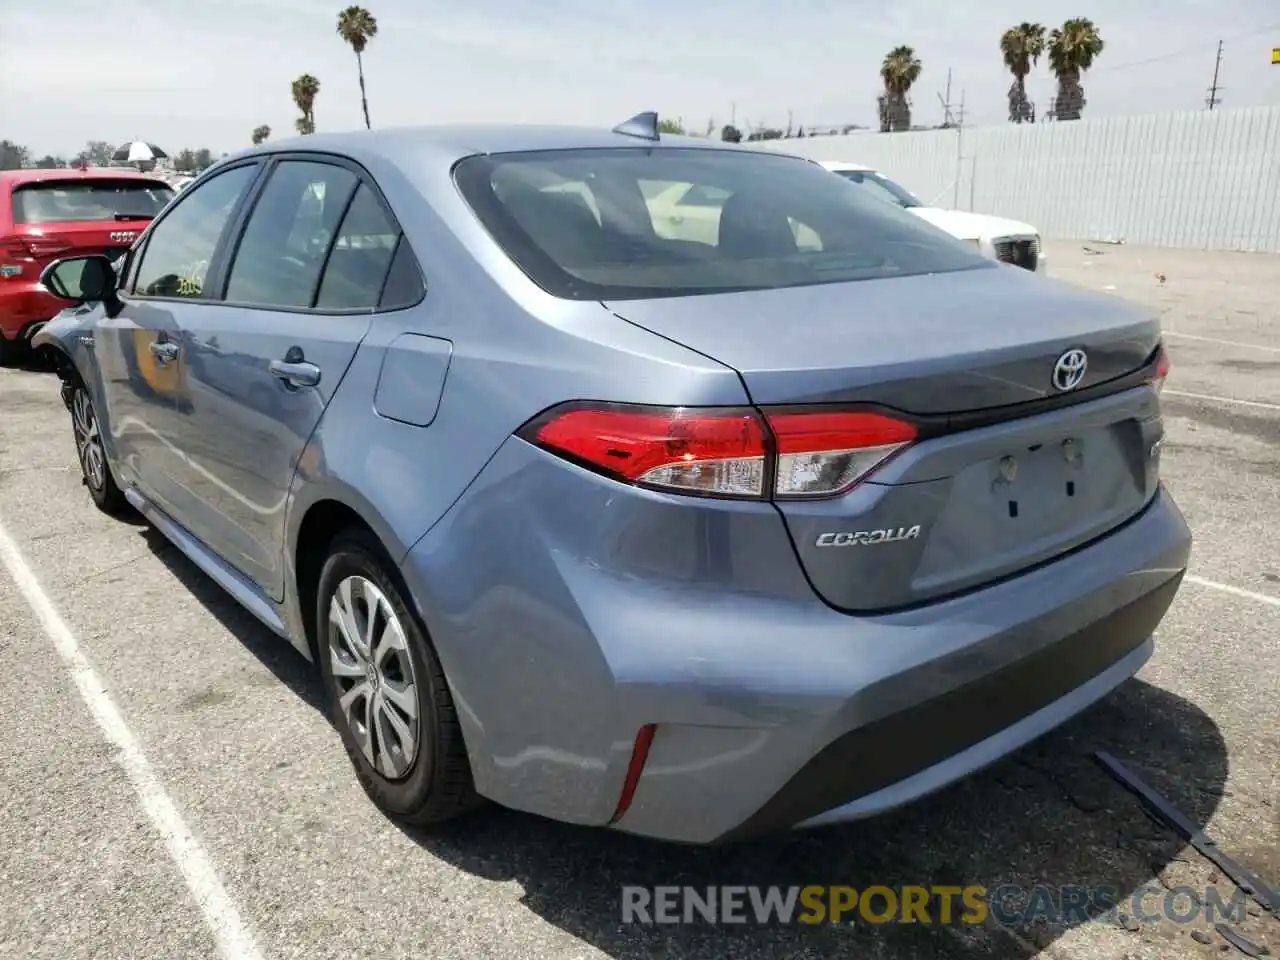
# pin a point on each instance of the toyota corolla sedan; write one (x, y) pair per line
(691, 538)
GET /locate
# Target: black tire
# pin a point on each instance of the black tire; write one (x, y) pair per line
(12, 352)
(95, 467)
(436, 785)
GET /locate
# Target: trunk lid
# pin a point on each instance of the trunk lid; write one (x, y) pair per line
(998, 482)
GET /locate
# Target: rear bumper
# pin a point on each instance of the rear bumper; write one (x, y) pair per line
(23, 306)
(568, 614)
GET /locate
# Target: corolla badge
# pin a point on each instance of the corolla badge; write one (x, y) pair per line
(1070, 368)
(861, 538)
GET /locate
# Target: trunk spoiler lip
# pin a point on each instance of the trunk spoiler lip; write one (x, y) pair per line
(941, 424)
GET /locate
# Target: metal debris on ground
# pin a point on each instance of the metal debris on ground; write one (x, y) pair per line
(1247, 881)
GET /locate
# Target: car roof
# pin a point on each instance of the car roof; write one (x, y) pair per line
(450, 143)
(16, 177)
(845, 165)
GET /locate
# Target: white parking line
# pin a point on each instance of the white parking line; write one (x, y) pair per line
(1234, 591)
(1225, 343)
(230, 932)
(1210, 398)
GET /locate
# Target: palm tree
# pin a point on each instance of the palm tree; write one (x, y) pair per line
(260, 134)
(1072, 50)
(1022, 47)
(357, 26)
(305, 90)
(900, 69)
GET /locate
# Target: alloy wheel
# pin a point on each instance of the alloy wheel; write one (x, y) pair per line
(93, 460)
(374, 676)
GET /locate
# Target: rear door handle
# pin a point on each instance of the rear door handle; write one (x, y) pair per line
(164, 351)
(299, 374)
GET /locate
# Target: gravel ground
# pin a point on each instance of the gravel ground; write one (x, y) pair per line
(227, 717)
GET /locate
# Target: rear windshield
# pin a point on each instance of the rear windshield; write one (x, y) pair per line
(621, 224)
(81, 201)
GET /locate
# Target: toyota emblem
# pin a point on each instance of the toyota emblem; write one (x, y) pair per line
(1068, 372)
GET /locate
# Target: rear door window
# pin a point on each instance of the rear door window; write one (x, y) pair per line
(289, 233)
(361, 255)
(88, 201)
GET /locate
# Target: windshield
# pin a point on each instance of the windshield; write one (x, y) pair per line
(881, 187)
(81, 201)
(619, 224)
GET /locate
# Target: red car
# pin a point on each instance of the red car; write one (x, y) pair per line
(47, 214)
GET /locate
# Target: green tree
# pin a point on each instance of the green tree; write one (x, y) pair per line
(261, 134)
(96, 153)
(357, 26)
(184, 161)
(13, 156)
(50, 162)
(203, 158)
(730, 134)
(305, 90)
(1072, 50)
(1021, 46)
(899, 71)
(673, 127)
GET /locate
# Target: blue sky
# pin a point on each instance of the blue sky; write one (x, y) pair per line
(189, 74)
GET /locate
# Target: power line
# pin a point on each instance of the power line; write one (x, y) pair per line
(1185, 52)
(1212, 100)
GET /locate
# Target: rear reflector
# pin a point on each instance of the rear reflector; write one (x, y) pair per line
(1162, 369)
(723, 451)
(639, 755)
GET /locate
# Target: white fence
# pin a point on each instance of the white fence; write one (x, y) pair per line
(1206, 180)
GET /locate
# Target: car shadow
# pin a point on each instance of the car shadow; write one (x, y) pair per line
(275, 653)
(1047, 816)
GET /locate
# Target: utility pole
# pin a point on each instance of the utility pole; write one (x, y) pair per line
(955, 205)
(1212, 100)
(945, 100)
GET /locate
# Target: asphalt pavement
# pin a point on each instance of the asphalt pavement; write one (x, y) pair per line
(171, 789)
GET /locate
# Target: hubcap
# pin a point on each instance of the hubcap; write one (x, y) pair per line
(93, 461)
(373, 673)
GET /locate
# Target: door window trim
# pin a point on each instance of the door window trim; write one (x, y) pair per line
(240, 223)
(138, 256)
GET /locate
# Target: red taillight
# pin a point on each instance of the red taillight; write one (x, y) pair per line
(1162, 369)
(821, 453)
(27, 248)
(726, 452)
(681, 448)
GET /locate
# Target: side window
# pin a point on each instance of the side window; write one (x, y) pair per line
(175, 262)
(404, 285)
(361, 254)
(288, 235)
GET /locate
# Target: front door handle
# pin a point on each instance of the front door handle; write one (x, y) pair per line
(296, 374)
(164, 351)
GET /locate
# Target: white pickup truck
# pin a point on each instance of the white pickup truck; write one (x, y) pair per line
(1007, 240)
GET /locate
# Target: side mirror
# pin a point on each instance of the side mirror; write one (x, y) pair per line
(80, 279)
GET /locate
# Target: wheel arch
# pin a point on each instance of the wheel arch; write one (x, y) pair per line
(318, 514)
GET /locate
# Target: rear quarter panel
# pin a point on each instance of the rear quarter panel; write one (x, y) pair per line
(513, 352)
